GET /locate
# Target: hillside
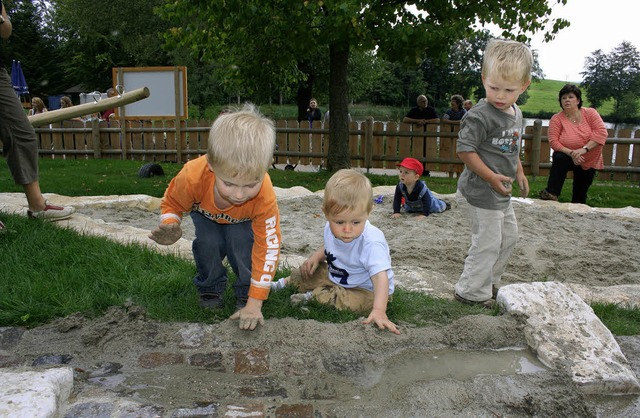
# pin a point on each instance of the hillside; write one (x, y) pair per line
(543, 97)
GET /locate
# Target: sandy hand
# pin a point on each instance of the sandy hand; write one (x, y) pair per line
(166, 234)
(382, 321)
(249, 318)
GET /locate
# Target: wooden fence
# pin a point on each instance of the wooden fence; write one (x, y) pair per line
(371, 144)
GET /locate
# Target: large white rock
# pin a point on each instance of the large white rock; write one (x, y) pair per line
(567, 335)
(34, 394)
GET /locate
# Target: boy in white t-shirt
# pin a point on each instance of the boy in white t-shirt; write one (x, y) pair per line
(352, 270)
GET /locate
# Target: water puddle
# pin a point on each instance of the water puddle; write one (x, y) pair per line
(412, 366)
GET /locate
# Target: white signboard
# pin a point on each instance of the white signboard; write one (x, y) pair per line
(167, 87)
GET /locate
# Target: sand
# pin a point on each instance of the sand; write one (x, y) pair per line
(323, 366)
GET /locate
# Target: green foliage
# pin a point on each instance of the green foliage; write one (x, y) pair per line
(614, 76)
(34, 43)
(298, 30)
(97, 36)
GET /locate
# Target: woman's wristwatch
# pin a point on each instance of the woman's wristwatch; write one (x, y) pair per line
(585, 148)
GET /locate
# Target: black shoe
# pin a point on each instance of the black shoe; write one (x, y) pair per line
(211, 301)
(241, 302)
(545, 195)
(487, 304)
(448, 206)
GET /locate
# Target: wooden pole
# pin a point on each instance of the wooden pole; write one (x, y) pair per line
(177, 102)
(88, 108)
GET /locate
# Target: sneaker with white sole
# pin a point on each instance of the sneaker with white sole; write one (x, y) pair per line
(52, 212)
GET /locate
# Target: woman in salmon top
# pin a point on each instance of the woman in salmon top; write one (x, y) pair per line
(576, 135)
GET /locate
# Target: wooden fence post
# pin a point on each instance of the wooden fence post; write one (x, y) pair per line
(535, 147)
(95, 138)
(178, 127)
(368, 143)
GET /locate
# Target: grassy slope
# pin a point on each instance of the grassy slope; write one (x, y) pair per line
(543, 97)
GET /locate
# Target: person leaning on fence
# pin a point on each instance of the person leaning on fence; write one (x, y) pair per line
(412, 194)
(20, 144)
(422, 113)
(489, 144)
(467, 105)
(577, 136)
(234, 210)
(110, 113)
(457, 111)
(313, 111)
(352, 270)
(37, 106)
(65, 102)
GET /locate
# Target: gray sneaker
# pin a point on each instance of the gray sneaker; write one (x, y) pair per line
(52, 212)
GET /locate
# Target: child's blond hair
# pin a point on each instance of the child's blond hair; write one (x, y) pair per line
(347, 190)
(241, 143)
(510, 60)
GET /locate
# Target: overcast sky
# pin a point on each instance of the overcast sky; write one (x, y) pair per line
(595, 24)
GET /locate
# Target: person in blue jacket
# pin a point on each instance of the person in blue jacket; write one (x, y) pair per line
(413, 193)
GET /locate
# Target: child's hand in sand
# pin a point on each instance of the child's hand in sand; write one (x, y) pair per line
(250, 316)
(395, 215)
(166, 234)
(380, 318)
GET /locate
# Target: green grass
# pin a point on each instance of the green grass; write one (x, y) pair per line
(108, 177)
(543, 100)
(619, 319)
(50, 272)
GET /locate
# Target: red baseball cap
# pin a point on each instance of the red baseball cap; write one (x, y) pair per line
(412, 164)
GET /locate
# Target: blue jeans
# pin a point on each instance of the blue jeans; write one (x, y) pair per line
(212, 244)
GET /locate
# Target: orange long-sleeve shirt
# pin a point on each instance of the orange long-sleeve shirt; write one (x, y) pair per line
(565, 134)
(192, 190)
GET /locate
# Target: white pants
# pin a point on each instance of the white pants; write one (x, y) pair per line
(494, 234)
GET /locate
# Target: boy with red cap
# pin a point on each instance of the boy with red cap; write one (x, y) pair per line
(413, 193)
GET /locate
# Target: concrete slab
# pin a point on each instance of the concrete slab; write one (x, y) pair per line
(567, 335)
(34, 394)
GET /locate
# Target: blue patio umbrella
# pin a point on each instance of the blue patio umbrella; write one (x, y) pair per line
(18, 80)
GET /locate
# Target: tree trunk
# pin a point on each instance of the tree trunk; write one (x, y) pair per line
(338, 155)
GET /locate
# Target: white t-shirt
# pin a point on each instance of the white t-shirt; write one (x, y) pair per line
(353, 264)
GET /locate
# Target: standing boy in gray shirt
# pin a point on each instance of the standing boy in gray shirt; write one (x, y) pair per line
(489, 145)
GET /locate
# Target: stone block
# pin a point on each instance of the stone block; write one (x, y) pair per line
(566, 334)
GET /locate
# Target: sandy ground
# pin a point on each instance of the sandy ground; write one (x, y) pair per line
(325, 365)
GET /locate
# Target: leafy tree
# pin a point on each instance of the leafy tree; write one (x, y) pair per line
(614, 76)
(460, 72)
(254, 36)
(99, 35)
(34, 44)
